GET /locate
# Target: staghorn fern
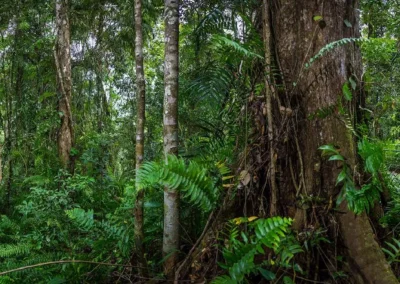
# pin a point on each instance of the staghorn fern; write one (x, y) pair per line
(191, 180)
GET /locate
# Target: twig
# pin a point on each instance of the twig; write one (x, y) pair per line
(210, 218)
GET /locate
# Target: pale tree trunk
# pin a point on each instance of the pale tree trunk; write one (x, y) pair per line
(171, 70)
(64, 84)
(269, 93)
(140, 95)
(299, 36)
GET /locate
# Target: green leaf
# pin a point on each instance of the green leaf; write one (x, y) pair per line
(353, 83)
(328, 149)
(317, 18)
(269, 275)
(287, 280)
(336, 158)
(341, 176)
(346, 92)
(347, 23)
(46, 95)
(341, 197)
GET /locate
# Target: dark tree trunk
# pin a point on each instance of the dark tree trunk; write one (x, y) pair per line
(299, 36)
(140, 121)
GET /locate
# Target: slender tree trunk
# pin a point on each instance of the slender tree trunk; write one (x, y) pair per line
(299, 36)
(171, 71)
(269, 92)
(64, 83)
(141, 104)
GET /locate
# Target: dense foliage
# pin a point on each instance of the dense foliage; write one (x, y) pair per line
(84, 218)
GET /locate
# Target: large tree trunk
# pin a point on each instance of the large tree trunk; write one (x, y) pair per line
(140, 94)
(171, 70)
(299, 36)
(64, 83)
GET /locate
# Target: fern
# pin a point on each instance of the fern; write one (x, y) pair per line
(6, 280)
(10, 250)
(220, 41)
(393, 251)
(211, 82)
(330, 46)
(239, 256)
(363, 199)
(372, 155)
(83, 218)
(346, 119)
(192, 181)
(215, 20)
(358, 200)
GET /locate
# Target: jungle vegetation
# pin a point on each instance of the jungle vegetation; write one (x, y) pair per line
(230, 141)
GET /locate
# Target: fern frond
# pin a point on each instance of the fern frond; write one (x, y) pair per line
(211, 83)
(81, 217)
(331, 46)
(269, 233)
(240, 261)
(192, 181)
(346, 119)
(393, 251)
(10, 250)
(7, 226)
(213, 21)
(220, 41)
(6, 280)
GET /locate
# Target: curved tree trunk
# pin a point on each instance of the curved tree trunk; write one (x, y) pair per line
(299, 35)
(140, 93)
(171, 71)
(64, 83)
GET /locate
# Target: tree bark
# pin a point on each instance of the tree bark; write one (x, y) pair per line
(299, 36)
(269, 92)
(64, 83)
(171, 71)
(140, 94)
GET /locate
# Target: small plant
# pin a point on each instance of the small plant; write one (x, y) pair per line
(262, 235)
(363, 198)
